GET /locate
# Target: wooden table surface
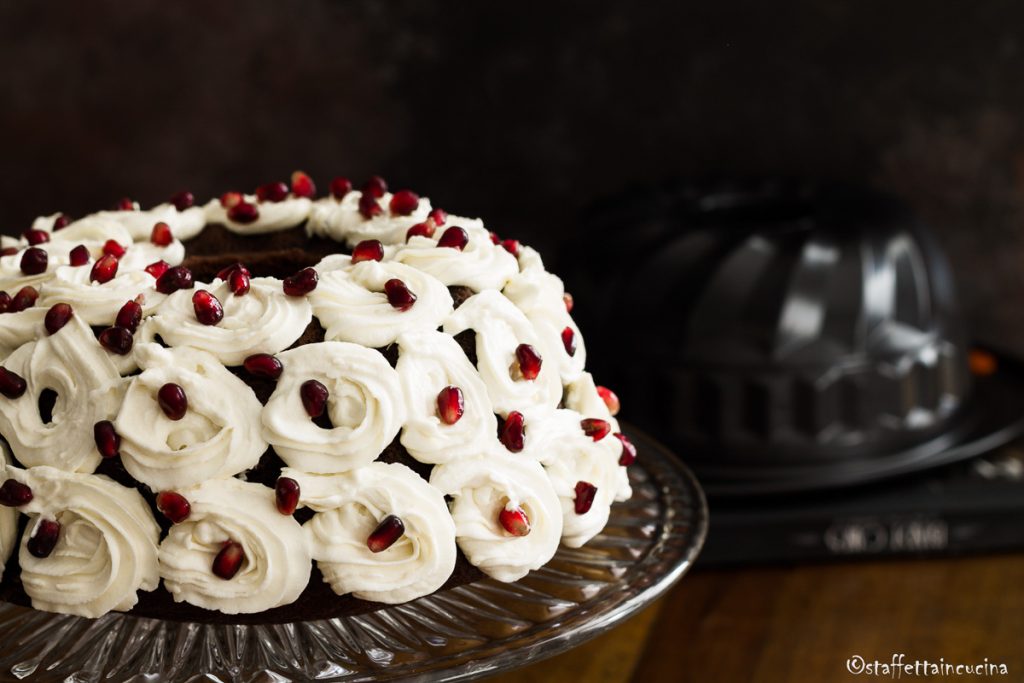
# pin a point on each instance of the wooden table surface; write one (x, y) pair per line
(802, 623)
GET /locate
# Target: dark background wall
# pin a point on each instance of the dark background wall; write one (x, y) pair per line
(527, 114)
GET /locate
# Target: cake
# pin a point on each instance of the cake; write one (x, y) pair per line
(278, 406)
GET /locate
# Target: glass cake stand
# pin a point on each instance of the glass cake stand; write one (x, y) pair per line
(459, 634)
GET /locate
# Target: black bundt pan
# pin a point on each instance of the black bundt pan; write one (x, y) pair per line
(785, 336)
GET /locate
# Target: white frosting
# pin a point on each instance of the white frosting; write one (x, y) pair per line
(277, 561)
(19, 328)
(581, 396)
(107, 548)
(365, 406)
(501, 327)
(349, 508)
(264, 320)
(273, 216)
(74, 365)
(480, 265)
(341, 220)
(351, 304)
(8, 519)
(11, 276)
(184, 225)
(481, 488)
(219, 436)
(98, 304)
(428, 362)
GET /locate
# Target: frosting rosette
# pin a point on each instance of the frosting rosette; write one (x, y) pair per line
(342, 221)
(480, 265)
(217, 436)
(72, 369)
(263, 320)
(106, 550)
(428, 363)
(272, 216)
(275, 563)
(485, 487)
(500, 328)
(184, 225)
(98, 303)
(353, 306)
(420, 553)
(364, 406)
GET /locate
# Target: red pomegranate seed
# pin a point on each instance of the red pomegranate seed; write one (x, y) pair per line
(117, 340)
(628, 456)
(450, 405)
(130, 315)
(5, 302)
(420, 229)
(12, 385)
(207, 307)
(513, 432)
(57, 317)
(514, 521)
(610, 399)
(438, 216)
(511, 246)
(104, 270)
(225, 272)
(387, 532)
(585, 493)
(23, 299)
(178, 277)
(34, 261)
(244, 213)
(568, 300)
(368, 250)
(61, 221)
(314, 397)
(263, 365)
(302, 283)
(172, 400)
(368, 206)
(272, 192)
(399, 294)
(108, 442)
(569, 341)
(286, 493)
(9, 251)
(494, 238)
(42, 543)
(125, 204)
(594, 428)
(528, 361)
(36, 237)
(161, 235)
(231, 199)
(112, 248)
(454, 237)
(302, 185)
(375, 187)
(173, 506)
(158, 268)
(14, 494)
(229, 560)
(79, 256)
(238, 282)
(404, 202)
(183, 200)
(340, 187)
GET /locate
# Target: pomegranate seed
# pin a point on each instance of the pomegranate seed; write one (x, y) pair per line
(340, 187)
(569, 341)
(454, 237)
(513, 432)
(450, 405)
(263, 365)
(161, 235)
(178, 277)
(183, 200)
(231, 199)
(34, 261)
(173, 506)
(594, 428)
(272, 192)
(585, 493)
(79, 256)
(108, 443)
(314, 397)
(568, 300)
(387, 532)
(514, 521)
(125, 204)
(375, 187)
(302, 283)
(628, 456)
(225, 272)
(238, 282)
(229, 560)
(104, 270)
(158, 268)
(495, 240)
(528, 362)
(12, 385)
(57, 317)
(368, 250)
(117, 340)
(610, 399)
(14, 494)
(302, 185)
(399, 295)
(172, 400)
(112, 248)
(287, 494)
(61, 221)
(369, 207)
(420, 229)
(438, 216)
(23, 299)
(130, 315)
(244, 213)
(5, 302)
(511, 246)
(404, 202)
(36, 236)
(44, 540)
(8, 251)
(207, 307)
